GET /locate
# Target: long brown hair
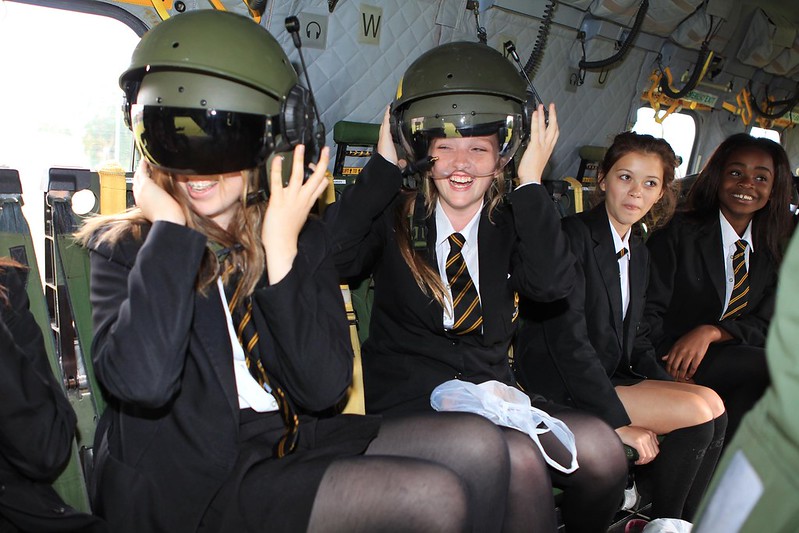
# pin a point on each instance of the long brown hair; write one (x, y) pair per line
(243, 236)
(426, 276)
(772, 225)
(7, 262)
(630, 142)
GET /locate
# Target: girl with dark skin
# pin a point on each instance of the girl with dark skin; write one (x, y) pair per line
(742, 195)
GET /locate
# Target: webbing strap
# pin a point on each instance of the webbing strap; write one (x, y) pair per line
(160, 8)
(355, 401)
(578, 193)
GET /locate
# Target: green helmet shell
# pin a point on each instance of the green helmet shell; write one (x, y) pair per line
(460, 68)
(209, 92)
(213, 44)
(461, 89)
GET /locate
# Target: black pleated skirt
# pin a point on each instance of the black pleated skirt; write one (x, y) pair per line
(266, 493)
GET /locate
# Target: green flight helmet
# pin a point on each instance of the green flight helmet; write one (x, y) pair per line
(461, 89)
(209, 92)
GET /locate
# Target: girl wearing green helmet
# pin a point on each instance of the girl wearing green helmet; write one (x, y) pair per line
(221, 340)
(450, 261)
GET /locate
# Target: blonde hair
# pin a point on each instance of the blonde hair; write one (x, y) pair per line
(427, 277)
(243, 236)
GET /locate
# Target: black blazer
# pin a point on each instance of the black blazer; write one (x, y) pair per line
(572, 350)
(686, 287)
(162, 354)
(37, 424)
(408, 352)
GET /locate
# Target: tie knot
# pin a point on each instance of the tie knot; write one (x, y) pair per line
(621, 253)
(742, 244)
(456, 241)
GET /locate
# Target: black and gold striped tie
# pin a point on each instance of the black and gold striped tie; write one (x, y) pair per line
(739, 298)
(241, 311)
(467, 314)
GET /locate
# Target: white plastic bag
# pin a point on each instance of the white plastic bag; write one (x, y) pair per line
(505, 406)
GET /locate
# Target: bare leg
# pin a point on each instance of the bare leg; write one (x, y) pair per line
(689, 415)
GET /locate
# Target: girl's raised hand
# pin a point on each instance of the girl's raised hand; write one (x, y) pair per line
(155, 203)
(288, 209)
(543, 138)
(385, 143)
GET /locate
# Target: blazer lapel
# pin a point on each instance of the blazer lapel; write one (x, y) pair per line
(709, 247)
(638, 275)
(605, 257)
(493, 248)
(208, 313)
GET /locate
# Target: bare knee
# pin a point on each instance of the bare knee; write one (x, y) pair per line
(698, 410)
(713, 401)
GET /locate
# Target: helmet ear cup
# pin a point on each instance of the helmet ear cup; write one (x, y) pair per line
(296, 118)
(394, 123)
(131, 89)
(395, 127)
(530, 105)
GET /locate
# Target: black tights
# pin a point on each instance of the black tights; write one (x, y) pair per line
(427, 472)
(592, 494)
(679, 475)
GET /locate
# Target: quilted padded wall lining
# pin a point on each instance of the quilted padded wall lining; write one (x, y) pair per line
(354, 81)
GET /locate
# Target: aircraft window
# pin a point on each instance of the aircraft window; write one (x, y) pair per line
(774, 135)
(679, 130)
(60, 103)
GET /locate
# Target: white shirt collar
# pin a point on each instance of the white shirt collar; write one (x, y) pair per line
(618, 242)
(729, 236)
(444, 227)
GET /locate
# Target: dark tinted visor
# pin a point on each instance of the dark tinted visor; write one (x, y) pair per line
(201, 141)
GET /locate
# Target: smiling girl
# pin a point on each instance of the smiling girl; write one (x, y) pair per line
(462, 105)
(220, 332)
(589, 351)
(705, 325)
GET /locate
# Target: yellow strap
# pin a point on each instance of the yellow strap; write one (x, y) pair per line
(729, 107)
(744, 104)
(652, 93)
(255, 16)
(666, 112)
(705, 66)
(160, 8)
(578, 193)
(355, 401)
(218, 5)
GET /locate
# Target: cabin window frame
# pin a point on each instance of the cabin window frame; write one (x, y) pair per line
(689, 162)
